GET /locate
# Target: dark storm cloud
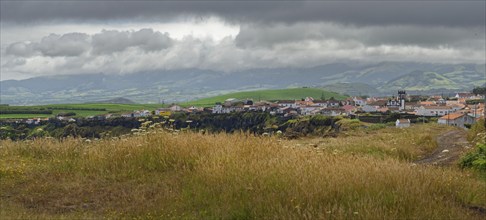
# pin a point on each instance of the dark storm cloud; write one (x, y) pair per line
(445, 13)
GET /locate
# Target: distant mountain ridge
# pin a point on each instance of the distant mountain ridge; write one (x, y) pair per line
(192, 84)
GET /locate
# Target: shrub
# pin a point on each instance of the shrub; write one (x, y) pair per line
(350, 124)
(478, 128)
(475, 159)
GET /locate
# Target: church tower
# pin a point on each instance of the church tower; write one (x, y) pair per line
(402, 95)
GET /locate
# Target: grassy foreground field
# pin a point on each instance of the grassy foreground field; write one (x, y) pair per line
(268, 95)
(235, 176)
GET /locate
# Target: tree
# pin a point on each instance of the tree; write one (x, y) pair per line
(322, 96)
(479, 90)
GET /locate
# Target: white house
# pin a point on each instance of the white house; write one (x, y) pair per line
(333, 111)
(142, 113)
(333, 103)
(320, 103)
(369, 108)
(309, 99)
(437, 110)
(456, 119)
(307, 110)
(219, 109)
(402, 123)
(287, 103)
(466, 95)
(175, 108)
(359, 101)
(222, 109)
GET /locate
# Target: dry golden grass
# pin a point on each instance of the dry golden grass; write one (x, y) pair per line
(195, 176)
(407, 144)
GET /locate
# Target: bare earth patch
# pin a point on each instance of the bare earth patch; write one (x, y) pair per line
(451, 145)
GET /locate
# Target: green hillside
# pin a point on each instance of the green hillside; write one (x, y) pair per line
(353, 89)
(278, 94)
(82, 110)
(420, 80)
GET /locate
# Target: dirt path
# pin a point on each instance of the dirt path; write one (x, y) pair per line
(451, 145)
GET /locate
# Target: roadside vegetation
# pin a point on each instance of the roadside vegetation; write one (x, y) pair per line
(189, 175)
(378, 140)
(476, 158)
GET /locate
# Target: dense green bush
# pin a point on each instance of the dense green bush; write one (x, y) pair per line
(475, 159)
(311, 125)
(478, 128)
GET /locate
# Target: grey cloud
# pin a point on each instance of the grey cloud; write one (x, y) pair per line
(445, 13)
(264, 35)
(15, 62)
(72, 44)
(257, 46)
(76, 44)
(112, 41)
(20, 49)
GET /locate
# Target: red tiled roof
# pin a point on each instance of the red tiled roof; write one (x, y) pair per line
(452, 116)
(437, 107)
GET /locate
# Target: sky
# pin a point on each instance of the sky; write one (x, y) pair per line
(39, 38)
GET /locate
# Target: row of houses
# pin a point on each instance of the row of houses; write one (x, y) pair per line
(307, 106)
(434, 106)
(453, 112)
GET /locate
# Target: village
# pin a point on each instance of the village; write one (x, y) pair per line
(460, 110)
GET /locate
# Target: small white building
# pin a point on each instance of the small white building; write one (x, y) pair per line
(333, 111)
(220, 109)
(369, 108)
(320, 103)
(308, 110)
(359, 101)
(175, 108)
(465, 95)
(142, 113)
(402, 123)
(287, 103)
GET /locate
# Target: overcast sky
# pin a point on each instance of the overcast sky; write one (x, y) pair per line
(124, 37)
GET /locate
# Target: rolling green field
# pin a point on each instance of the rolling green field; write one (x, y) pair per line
(278, 94)
(81, 110)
